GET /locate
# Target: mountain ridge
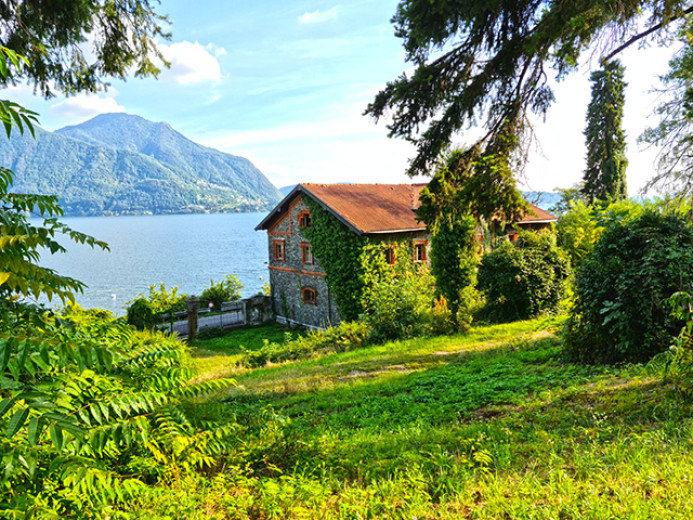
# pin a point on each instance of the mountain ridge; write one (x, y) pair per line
(117, 164)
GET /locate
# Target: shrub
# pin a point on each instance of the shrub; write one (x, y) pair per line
(619, 312)
(228, 290)
(92, 412)
(398, 299)
(141, 314)
(454, 261)
(144, 311)
(580, 228)
(524, 279)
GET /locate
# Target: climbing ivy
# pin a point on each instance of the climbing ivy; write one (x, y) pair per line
(340, 253)
(454, 261)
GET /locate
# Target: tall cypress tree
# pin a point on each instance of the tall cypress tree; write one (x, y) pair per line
(605, 176)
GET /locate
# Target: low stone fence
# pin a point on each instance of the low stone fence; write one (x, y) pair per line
(249, 311)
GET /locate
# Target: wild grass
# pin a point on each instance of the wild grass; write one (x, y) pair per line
(492, 424)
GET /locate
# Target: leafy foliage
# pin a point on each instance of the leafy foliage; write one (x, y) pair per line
(398, 300)
(345, 337)
(579, 228)
(674, 134)
(619, 312)
(20, 239)
(122, 37)
(467, 184)
(454, 261)
(605, 175)
(92, 413)
(339, 251)
(146, 311)
(229, 289)
(524, 279)
(485, 63)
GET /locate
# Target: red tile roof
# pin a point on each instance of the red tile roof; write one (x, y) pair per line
(375, 208)
(372, 208)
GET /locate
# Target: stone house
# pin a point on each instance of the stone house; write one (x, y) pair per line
(381, 212)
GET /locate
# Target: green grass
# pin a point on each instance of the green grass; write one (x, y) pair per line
(492, 424)
(219, 356)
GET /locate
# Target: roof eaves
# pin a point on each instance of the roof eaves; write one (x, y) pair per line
(388, 231)
(277, 209)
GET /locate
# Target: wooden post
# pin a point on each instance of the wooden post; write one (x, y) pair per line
(192, 317)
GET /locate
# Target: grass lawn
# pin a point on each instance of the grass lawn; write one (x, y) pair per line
(219, 356)
(492, 424)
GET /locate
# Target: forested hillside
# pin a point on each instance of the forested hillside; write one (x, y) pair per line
(122, 164)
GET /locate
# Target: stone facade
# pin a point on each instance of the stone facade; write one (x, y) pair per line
(293, 276)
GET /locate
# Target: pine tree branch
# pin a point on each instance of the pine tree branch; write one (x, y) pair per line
(642, 35)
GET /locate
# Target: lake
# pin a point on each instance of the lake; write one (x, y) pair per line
(182, 250)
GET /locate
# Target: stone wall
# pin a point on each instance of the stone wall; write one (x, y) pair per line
(290, 276)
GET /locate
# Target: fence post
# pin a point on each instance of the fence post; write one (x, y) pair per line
(245, 311)
(192, 317)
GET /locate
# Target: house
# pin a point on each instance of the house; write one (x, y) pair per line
(381, 212)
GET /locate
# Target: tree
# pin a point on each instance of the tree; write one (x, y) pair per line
(72, 45)
(605, 175)
(481, 62)
(674, 134)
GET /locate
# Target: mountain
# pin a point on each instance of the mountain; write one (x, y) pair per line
(118, 164)
(542, 199)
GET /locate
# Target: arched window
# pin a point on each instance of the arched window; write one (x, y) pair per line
(310, 296)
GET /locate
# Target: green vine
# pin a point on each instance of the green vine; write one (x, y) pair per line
(454, 260)
(340, 253)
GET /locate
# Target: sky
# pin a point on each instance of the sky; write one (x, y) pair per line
(285, 84)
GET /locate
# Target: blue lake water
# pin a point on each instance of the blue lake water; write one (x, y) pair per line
(182, 250)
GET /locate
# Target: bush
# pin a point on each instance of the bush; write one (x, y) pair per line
(227, 290)
(619, 312)
(145, 310)
(141, 314)
(524, 279)
(454, 262)
(580, 228)
(398, 300)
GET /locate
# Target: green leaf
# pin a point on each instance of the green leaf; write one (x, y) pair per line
(5, 351)
(5, 405)
(17, 422)
(35, 428)
(56, 436)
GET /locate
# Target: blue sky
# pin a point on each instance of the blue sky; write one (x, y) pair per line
(285, 83)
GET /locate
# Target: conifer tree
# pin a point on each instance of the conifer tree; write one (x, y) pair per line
(605, 175)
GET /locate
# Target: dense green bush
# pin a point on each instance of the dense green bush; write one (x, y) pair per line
(399, 300)
(454, 262)
(581, 226)
(228, 290)
(524, 279)
(147, 310)
(619, 312)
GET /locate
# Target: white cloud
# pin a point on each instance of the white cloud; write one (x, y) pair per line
(191, 62)
(319, 16)
(85, 106)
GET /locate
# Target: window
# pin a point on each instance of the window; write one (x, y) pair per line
(304, 218)
(279, 250)
(310, 296)
(307, 254)
(390, 255)
(419, 251)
